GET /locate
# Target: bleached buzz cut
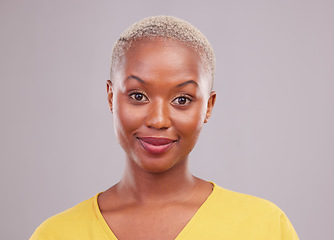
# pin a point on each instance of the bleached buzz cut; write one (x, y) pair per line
(164, 27)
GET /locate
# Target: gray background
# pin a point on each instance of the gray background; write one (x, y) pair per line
(271, 133)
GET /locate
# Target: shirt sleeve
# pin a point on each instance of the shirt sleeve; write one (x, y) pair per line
(40, 233)
(37, 236)
(287, 230)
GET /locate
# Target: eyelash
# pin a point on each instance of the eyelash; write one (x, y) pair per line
(132, 95)
(187, 99)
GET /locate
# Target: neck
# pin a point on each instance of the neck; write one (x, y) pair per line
(143, 186)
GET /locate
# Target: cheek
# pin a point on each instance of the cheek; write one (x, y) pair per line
(190, 122)
(126, 118)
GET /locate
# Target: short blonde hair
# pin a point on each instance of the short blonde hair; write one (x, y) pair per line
(165, 27)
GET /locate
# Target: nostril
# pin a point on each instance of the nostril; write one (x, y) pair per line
(158, 118)
(163, 128)
(160, 124)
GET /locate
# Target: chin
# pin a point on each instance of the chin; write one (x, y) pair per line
(155, 167)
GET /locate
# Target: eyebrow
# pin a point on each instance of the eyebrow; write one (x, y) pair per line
(136, 78)
(187, 82)
(179, 85)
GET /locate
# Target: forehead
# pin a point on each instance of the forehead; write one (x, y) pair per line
(171, 54)
(164, 56)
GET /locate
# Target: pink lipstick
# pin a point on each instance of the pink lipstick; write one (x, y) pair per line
(156, 145)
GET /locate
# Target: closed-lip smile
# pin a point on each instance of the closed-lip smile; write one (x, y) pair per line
(156, 145)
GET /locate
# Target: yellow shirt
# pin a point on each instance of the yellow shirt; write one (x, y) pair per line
(224, 215)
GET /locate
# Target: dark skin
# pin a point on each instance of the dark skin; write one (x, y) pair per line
(161, 90)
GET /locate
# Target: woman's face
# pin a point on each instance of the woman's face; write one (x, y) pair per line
(160, 99)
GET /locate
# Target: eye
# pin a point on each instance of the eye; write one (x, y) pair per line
(182, 101)
(138, 97)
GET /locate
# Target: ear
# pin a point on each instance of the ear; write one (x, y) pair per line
(211, 103)
(110, 94)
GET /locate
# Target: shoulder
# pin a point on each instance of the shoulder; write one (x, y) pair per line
(79, 213)
(240, 202)
(244, 208)
(67, 222)
(232, 215)
(249, 212)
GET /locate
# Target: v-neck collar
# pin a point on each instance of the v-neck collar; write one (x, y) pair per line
(199, 213)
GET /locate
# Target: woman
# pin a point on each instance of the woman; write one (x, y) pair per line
(160, 94)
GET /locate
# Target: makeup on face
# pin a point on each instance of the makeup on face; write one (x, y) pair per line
(160, 104)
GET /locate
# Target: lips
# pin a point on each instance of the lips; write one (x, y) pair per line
(156, 145)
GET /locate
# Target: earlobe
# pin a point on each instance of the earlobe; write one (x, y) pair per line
(110, 95)
(211, 103)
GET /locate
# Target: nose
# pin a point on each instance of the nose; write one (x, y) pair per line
(158, 115)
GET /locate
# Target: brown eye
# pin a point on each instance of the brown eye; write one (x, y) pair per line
(139, 97)
(182, 101)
